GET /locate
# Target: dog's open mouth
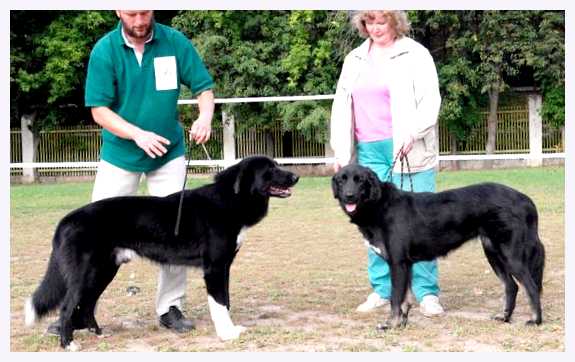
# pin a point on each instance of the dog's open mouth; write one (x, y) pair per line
(278, 191)
(350, 208)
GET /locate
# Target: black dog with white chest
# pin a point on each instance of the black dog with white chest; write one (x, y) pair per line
(406, 227)
(91, 242)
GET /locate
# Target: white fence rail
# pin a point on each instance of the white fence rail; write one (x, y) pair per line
(535, 156)
(296, 161)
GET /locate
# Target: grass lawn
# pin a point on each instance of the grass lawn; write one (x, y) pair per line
(297, 280)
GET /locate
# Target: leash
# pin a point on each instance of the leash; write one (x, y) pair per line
(408, 173)
(179, 217)
(389, 177)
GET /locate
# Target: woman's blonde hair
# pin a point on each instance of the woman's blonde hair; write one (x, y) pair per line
(397, 18)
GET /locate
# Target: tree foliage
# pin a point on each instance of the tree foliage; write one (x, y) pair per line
(49, 52)
(548, 62)
(444, 34)
(272, 53)
(479, 53)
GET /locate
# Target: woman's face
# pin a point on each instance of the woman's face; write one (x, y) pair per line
(380, 30)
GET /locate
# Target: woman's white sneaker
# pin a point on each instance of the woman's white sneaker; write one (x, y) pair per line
(430, 306)
(372, 302)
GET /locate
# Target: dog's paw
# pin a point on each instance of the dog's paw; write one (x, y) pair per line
(393, 323)
(383, 326)
(231, 333)
(30, 316)
(104, 333)
(73, 347)
(533, 322)
(501, 317)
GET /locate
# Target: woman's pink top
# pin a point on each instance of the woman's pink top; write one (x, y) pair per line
(371, 106)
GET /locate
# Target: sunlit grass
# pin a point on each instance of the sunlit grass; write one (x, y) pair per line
(297, 280)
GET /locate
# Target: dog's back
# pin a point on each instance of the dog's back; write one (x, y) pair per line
(488, 210)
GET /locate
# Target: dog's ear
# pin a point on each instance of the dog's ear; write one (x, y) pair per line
(374, 185)
(238, 181)
(335, 185)
(231, 176)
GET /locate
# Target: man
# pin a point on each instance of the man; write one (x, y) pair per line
(132, 86)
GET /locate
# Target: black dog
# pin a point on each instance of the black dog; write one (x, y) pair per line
(406, 227)
(91, 242)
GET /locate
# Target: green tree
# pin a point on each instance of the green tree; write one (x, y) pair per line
(548, 62)
(443, 33)
(48, 55)
(502, 40)
(271, 53)
(479, 52)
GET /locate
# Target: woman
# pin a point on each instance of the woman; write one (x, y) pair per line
(387, 101)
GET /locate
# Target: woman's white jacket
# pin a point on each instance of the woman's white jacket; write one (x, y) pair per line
(414, 97)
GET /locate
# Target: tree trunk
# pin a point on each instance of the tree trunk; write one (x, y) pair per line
(269, 143)
(453, 151)
(452, 144)
(562, 139)
(492, 119)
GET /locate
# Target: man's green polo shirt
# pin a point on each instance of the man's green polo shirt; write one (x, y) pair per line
(145, 95)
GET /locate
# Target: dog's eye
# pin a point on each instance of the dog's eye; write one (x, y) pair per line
(344, 177)
(356, 178)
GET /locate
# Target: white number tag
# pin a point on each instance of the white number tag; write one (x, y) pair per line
(166, 73)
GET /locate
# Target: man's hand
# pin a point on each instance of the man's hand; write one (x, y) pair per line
(200, 131)
(151, 143)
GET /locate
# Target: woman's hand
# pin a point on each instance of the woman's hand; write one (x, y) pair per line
(407, 146)
(336, 166)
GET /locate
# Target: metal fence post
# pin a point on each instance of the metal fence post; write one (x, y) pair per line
(535, 130)
(229, 138)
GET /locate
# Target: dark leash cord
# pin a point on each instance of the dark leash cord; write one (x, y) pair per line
(408, 173)
(179, 217)
(389, 177)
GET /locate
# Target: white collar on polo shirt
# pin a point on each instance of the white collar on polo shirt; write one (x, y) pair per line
(129, 44)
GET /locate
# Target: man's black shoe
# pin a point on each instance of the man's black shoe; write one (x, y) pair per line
(176, 321)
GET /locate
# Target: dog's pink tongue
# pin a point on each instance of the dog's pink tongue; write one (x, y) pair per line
(350, 207)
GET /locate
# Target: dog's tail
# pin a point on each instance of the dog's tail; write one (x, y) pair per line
(539, 265)
(538, 259)
(48, 295)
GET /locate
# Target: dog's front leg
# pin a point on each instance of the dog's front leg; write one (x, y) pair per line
(217, 284)
(399, 285)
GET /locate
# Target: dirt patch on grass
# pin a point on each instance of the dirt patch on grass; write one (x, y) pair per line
(295, 286)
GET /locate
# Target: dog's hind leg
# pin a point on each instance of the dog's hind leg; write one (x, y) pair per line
(69, 305)
(531, 276)
(89, 318)
(504, 274)
(408, 302)
(524, 277)
(525, 262)
(95, 282)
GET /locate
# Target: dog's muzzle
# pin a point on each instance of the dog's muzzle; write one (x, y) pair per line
(284, 190)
